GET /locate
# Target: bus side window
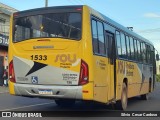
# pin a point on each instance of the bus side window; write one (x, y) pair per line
(152, 55)
(148, 54)
(94, 36)
(98, 37)
(101, 38)
(136, 49)
(118, 41)
(123, 45)
(139, 51)
(128, 47)
(143, 52)
(132, 48)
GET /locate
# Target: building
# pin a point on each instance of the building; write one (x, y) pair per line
(5, 13)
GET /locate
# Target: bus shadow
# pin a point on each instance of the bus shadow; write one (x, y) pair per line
(95, 106)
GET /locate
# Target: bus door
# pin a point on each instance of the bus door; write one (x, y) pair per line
(110, 41)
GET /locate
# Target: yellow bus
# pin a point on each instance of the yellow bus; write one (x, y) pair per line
(71, 53)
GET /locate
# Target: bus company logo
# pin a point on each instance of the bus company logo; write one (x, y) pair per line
(34, 79)
(125, 68)
(121, 67)
(66, 58)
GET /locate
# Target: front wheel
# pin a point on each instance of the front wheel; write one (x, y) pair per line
(65, 102)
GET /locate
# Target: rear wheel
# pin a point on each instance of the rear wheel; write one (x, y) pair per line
(145, 97)
(65, 102)
(122, 104)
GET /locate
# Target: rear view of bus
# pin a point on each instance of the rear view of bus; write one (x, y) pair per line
(46, 55)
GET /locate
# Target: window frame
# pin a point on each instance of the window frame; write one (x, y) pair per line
(118, 55)
(128, 49)
(131, 40)
(98, 53)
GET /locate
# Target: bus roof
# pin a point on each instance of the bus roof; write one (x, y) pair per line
(118, 26)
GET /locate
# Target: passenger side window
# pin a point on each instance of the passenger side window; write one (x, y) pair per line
(139, 51)
(98, 37)
(143, 52)
(128, 47)
(118, 40)
(132, 48)
(152, 54)
(123, 45)
(148, 54)
(101, 38)
(135, 49)
(94, 36)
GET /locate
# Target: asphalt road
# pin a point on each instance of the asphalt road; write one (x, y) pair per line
(17, 103)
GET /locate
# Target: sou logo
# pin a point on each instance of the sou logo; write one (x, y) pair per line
(65, 58)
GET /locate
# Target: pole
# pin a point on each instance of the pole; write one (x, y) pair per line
(46, 3)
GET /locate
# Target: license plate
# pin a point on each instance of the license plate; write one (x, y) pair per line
(45, 92)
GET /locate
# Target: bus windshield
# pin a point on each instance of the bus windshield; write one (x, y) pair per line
(50, 25)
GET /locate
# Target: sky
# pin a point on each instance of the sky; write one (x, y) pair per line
(142, 15)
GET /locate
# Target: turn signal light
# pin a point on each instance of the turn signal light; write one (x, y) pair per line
(84, 73)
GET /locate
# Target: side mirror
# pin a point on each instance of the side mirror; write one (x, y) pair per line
(157, 57)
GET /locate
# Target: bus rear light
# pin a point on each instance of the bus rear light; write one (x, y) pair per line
(11, 72)
(84, 73)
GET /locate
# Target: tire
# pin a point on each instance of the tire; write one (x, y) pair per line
(65, 102)
(145, 97)
(122, 104)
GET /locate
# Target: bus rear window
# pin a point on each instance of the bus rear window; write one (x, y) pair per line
(50, 25)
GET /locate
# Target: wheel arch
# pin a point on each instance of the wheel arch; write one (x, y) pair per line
(150, 84)
(125, 80)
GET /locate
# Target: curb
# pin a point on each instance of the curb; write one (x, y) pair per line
(4, 92)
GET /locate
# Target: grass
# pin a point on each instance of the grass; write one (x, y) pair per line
(158, 78)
